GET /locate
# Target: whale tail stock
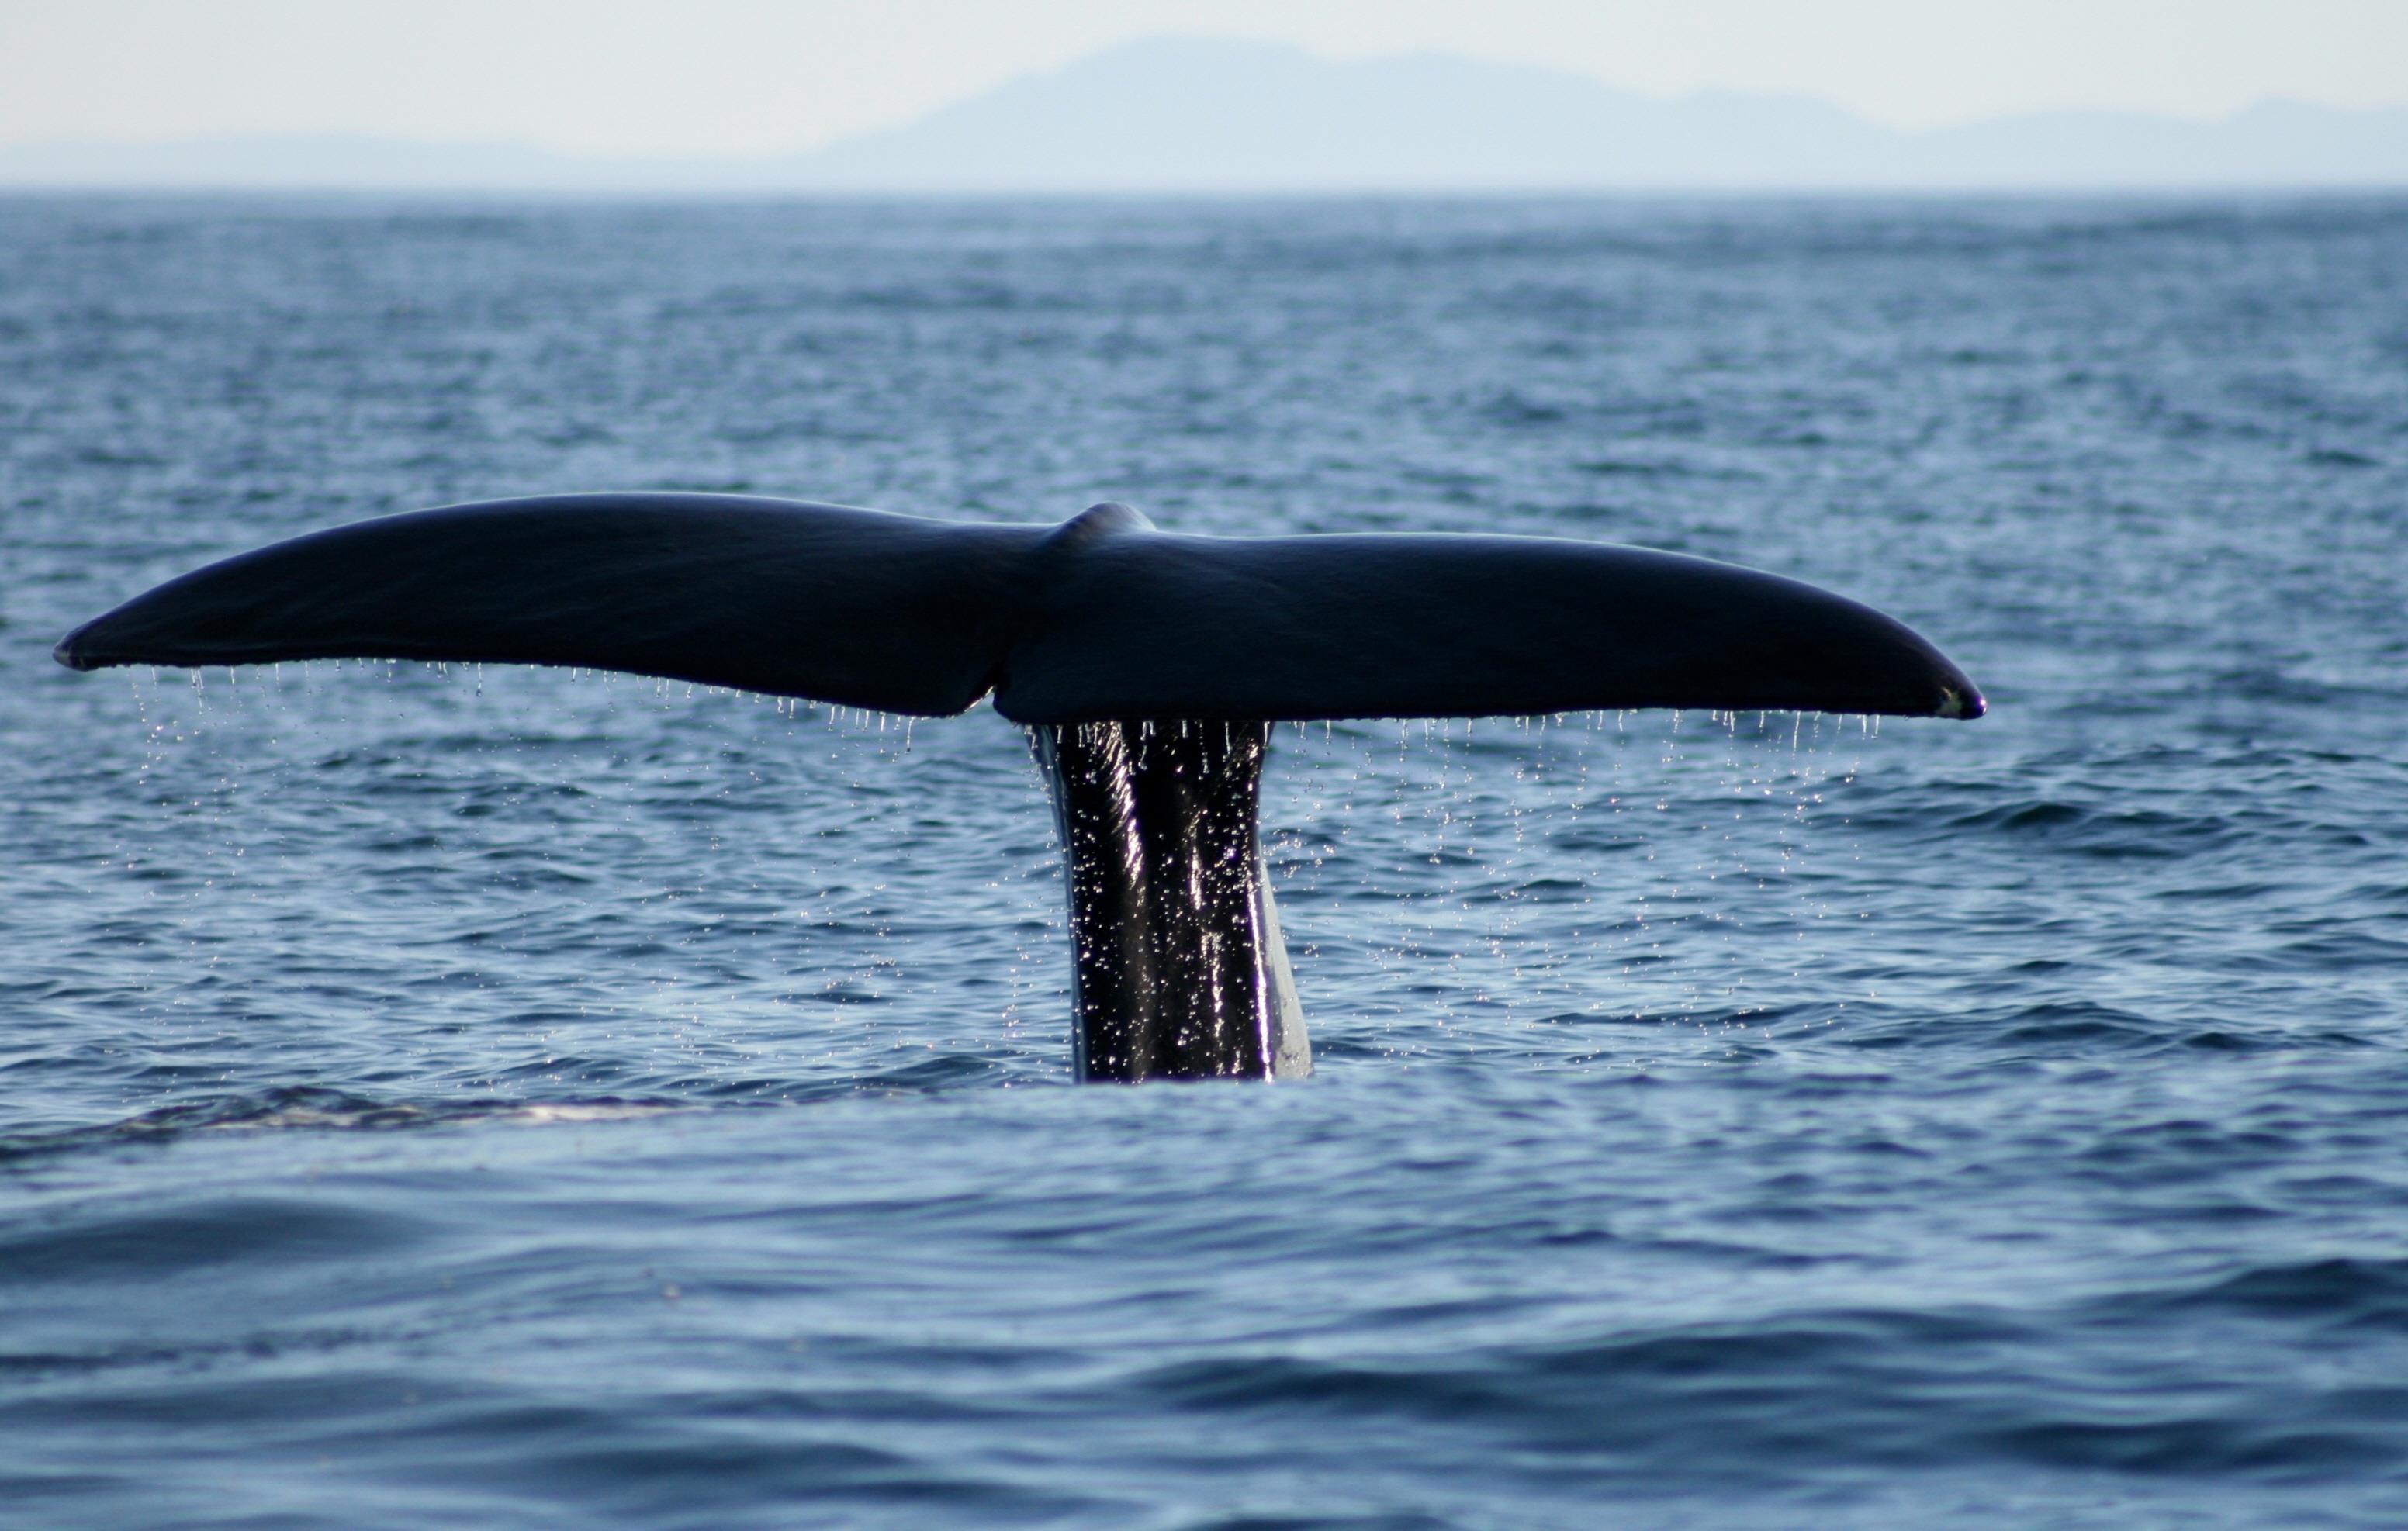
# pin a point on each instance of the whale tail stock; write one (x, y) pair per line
(1148, 666)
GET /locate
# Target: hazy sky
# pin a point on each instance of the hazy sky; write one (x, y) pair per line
(676, 77)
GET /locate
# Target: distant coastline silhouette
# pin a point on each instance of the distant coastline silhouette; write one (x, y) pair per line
(1225, 116)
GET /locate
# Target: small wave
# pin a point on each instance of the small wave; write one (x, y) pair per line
(185, 1356)
(145, 1244)
(2055, 1029)
(2342, 1291)
(312, 1107)
(2081, 1027)
(1776, 1403)
(2138, 833)
(940, 1074)
(1617, 467)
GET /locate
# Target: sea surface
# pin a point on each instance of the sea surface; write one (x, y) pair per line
(513, 1098)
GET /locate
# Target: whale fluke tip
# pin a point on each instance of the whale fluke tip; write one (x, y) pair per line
(72, 657)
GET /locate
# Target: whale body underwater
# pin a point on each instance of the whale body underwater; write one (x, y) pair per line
(1148, 667)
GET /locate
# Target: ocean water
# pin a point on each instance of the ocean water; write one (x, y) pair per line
(516, 1098)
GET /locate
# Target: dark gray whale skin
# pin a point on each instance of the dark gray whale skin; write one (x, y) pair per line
(1148, 666)
(1181, 972)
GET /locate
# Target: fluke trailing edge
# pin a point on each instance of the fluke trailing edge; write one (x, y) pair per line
(1148, 667)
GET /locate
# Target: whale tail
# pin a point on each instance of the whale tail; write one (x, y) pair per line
(1148, 668)
(1100, 617)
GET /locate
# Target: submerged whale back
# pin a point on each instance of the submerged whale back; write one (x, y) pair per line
(1101, 619)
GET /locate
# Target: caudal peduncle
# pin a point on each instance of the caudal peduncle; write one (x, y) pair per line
(1181, 970)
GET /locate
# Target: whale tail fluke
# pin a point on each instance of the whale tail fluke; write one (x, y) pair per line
(855, 607)
(1103, 617)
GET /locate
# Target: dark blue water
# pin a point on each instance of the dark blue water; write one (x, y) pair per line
(525, 1099)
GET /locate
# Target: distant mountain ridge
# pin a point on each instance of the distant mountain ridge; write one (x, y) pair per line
(1193, 115)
